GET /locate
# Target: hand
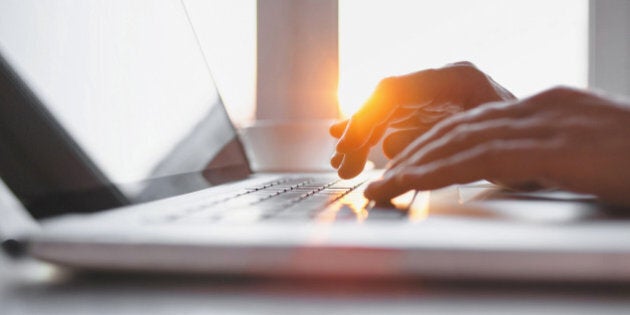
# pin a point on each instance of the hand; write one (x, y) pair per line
(411, 105)
(564, 138)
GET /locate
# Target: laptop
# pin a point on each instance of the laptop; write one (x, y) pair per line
(118, 154)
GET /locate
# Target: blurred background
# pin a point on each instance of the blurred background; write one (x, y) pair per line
(300, 64)
(526, 45)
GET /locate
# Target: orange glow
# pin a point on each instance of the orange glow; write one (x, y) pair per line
(419, 209)
(355, 202)
(352, 95)
(381, 38)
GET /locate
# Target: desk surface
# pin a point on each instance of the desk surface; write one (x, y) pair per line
(30, 287)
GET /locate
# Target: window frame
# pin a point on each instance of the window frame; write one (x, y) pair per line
(609, 46)
(282, 22)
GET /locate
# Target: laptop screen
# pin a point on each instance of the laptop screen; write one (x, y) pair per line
(129, 83)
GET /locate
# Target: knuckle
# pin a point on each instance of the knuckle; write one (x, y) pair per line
(470, 71)
(388, 85)
(548, 102)
(462, 71)
(463, 63)
(559, 94)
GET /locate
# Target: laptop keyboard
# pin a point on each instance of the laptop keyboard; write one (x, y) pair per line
(292, 198)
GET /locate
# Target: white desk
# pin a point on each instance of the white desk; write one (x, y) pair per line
(29, 287)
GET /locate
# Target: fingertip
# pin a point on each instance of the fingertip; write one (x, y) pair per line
(384, 189)
(345, 175)
(349, 172)
(374, 190)
(336, 159)
(353, 163)
(337, 129)
(355, 136)
(370, 190)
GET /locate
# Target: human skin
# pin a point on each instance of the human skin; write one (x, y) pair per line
(408, 106)
(562, 138)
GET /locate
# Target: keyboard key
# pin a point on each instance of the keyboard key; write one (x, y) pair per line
(385, 214)
(293, 198)
(244, 215)
(291, 215)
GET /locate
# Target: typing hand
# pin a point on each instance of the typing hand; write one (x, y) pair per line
(565, 138)
(409, 106)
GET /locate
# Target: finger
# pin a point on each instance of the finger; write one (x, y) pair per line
(465, 137)
(390, 94)
(377, 134)
(359, 133)
(509, 161)
(385, 189)
(437, 111)
(374, 112)
(486, 112)
(405, 111)
(396, 141)
(337, 129)
(353, 163)
(450, 84)
(420, 117)
(407, 115)
(336, 159)
(411, 121)
(379, 131)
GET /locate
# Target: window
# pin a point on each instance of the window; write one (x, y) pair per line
(525, 45)
(227, 34)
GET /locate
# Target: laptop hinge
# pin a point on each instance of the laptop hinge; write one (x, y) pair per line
(15, 222)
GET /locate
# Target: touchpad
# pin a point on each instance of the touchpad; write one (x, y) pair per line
(484, 200)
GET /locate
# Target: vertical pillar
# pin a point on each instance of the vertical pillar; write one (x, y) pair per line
(609, 45)
(297, 71)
